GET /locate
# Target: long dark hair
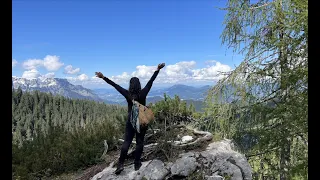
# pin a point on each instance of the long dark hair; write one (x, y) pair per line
(134, 88)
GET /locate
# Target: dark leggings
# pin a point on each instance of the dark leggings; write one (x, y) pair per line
(129, 134)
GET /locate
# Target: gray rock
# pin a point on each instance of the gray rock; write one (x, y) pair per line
(217, 162)
(127, 174)
(197, 154)
(169, 165)
(150, 170)
(155, 170)
(184, 166)
(223, 159)
(241, 162)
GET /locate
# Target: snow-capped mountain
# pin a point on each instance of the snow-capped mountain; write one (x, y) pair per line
(55, 86)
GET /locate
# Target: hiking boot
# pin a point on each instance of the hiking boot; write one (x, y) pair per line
(119, 169)
(137, 166)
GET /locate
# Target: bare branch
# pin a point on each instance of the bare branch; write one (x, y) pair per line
(265, 152)
(257, 7)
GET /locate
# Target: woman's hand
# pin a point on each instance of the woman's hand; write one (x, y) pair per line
(99, 75)
(160, 66)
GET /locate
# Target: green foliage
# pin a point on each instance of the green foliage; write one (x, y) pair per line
(169, 112)
(53, 134)
(196, 175)
(172, 110)
(263, 103)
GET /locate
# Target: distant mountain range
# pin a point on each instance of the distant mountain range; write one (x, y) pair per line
(183, 91)
(56, 86)
(189, 93)
(63, 87)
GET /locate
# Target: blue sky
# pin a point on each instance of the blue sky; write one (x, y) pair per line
(73, 39)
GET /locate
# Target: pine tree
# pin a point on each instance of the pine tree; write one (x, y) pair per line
(269, 88)
(38, 145)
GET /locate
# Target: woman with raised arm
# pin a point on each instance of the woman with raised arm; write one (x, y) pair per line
(135, 92)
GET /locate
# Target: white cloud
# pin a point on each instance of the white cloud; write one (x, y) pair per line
(169, 74)
(70, 70)
(79, 79)
(49, 75)
(32, 64)
(141, 72)
(180, 72)
(30, 74)
(83, 77)
(14, 62)
(34, 73)
(96, 80)
(51, 63)
(212, 72)
(120, 79)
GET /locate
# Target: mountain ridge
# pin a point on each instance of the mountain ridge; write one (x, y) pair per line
(183, 91)
(56, 86)
(61, 86)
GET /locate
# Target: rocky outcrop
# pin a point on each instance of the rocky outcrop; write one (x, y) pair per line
(218, 161)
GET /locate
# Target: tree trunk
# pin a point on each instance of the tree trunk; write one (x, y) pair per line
(283, 55)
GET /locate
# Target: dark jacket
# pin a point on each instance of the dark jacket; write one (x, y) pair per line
(143, 93)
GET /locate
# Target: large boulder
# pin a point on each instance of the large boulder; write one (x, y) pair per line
(219, 161)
